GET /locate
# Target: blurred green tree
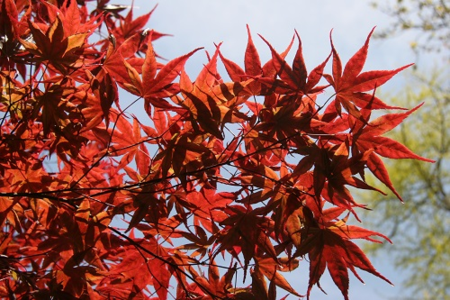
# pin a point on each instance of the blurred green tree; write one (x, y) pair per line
(420, 228)
(428, 18)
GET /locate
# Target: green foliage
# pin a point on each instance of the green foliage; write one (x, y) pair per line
(420, 227)
(428, 18)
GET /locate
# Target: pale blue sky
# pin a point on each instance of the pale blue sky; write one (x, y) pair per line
(196, 23)
(201, 23)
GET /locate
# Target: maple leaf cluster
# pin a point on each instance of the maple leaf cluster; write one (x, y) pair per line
(253, 171)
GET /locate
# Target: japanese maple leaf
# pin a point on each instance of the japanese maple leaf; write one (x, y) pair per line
(206, 99)
(71, 18)
(116, 55)
(271, 268)
(214, 284)
(246, 231)
(329, 246)
(140, 271)
(333, 170)
(296, 79)
(155, 85)
(209, 207)
(367, 137)
(54, 46)
(129, 143)
(253, 68)
(12, 29)
(351, 84)
(130, 26)
(347, 231)
(104, 93)
(53, 107)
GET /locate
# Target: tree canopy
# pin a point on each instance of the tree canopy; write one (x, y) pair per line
(428, 19)
(245, 174)
(420, 227)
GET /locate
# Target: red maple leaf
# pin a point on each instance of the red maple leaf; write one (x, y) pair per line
(155, 85)
(368, 137)
(296, 80)
(55, 46)
(351, 84)
(329, 246)
(253, 68)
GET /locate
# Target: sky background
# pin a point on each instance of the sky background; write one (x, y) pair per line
(201, 23)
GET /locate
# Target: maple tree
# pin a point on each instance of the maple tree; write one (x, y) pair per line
(254, 170)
